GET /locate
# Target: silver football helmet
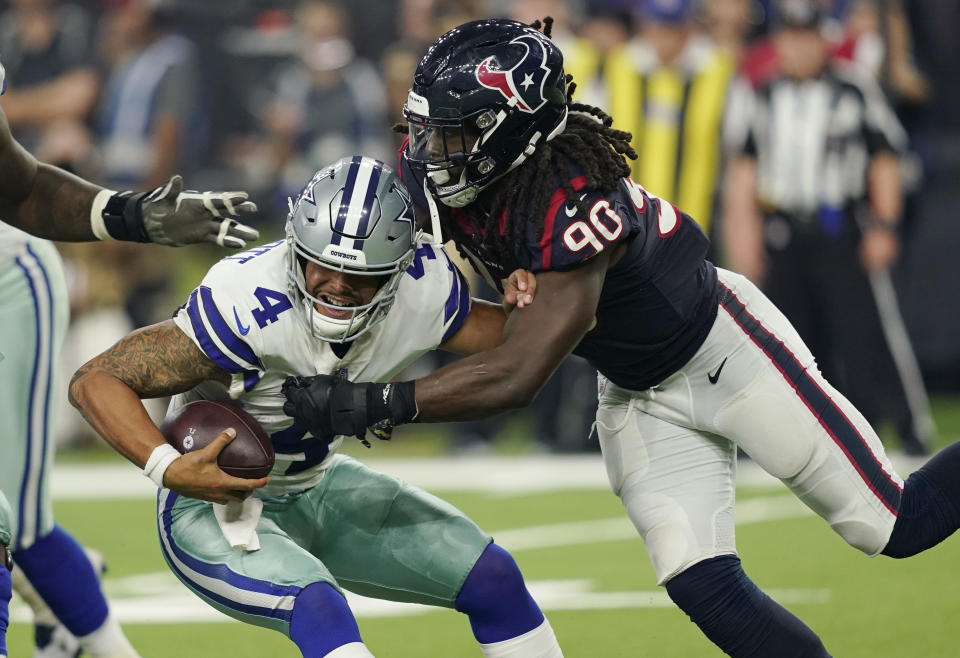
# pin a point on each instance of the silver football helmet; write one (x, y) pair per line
(354, 216)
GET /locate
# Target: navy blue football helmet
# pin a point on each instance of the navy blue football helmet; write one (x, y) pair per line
(483, 97)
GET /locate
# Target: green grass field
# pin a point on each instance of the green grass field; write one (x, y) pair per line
(585, 566)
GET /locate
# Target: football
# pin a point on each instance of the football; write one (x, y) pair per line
(193, 426)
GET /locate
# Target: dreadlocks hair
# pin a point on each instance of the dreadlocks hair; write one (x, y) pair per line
(588, 144)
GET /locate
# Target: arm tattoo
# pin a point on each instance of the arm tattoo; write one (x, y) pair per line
(157, 361)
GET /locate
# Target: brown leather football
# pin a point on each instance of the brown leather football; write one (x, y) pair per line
(193, 426)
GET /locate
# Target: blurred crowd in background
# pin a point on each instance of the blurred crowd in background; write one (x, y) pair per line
(256, 95)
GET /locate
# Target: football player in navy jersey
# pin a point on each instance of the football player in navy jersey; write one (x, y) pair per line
(694, 361)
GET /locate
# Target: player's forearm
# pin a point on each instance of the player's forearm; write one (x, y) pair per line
(481, 331)
(743, 225)
(536, 339)
(155, 361)
(115, 411)
(479, 386)
(886, 189)
(55, 206)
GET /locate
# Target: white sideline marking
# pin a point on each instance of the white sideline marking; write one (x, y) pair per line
(169, 602)
(488, 474)
(159, 598)
(496, 475)
(755, 510)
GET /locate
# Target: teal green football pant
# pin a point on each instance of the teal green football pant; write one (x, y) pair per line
(34, 311)
(5, 516)
(358, 529)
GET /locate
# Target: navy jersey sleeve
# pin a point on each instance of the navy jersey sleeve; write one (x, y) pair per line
(575, 232)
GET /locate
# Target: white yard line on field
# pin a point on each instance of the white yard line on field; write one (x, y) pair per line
(496, 475)
(167, 601)
(753, 510)
(159, 598)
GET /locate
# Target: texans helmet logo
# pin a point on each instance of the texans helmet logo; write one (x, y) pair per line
(525, 80)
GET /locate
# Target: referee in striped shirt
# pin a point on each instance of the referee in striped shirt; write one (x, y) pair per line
(813, 202)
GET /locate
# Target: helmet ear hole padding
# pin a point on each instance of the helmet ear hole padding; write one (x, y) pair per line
(355, 217)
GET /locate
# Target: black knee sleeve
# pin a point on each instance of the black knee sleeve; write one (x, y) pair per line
(736, 616)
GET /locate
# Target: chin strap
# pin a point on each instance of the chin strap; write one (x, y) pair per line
(434, 214)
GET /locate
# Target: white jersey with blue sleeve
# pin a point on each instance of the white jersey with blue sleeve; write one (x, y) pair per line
(242, 318)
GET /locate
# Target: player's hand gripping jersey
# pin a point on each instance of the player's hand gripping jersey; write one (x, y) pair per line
(658, 301)
(242, 318)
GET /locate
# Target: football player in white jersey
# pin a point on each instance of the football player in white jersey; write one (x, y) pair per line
(37, 199)
(351, 291)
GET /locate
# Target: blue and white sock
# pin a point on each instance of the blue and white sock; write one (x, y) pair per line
(505, 619)
(60, 571)
(323, 624)
(6, 591)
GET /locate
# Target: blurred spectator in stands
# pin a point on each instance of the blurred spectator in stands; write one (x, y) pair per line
(151, 115)
(375, 24)
(417, 20)
(730, 24)
(399, 63)
(447, 14)
(607, 28)
(931, 310)
(581, 56)
(877, 37)
(827, 182)
(327, 103)
(668, 87)
(151, 126)
(760, 63)
(52, 81)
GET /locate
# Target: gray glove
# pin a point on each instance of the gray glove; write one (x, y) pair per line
(170, 216)
(174, 217)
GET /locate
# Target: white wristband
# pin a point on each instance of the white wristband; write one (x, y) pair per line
(96, 214)
(161, 457)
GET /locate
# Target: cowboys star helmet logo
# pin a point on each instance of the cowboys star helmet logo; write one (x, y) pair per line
(524, 81)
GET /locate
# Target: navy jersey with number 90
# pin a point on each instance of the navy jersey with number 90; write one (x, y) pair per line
(657, 303)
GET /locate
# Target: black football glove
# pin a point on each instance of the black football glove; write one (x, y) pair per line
(328, 406)
(171, 216)
(383, 430)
